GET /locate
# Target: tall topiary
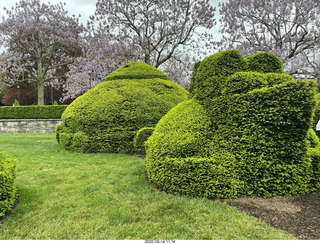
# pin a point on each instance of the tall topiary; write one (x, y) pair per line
(246, 132)
(106, 118)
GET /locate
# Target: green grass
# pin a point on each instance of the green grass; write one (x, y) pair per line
(68, 195)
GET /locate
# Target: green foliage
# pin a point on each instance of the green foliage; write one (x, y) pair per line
(264, 62)
(32, 112)
(140, 138)
(8, 191)
(213, 72)
(136, 70)
(316, 117)
(111, 114)
(58, 129)
(55, 103)
(16, 103)
(252, 138)
(183, 132)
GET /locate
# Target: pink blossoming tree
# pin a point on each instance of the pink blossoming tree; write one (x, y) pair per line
(290, 29)
(40, 40)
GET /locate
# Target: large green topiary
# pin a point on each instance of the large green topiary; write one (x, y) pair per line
(106, 118)
(249, 136)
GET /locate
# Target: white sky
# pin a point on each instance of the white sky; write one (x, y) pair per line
(87, 8)
(83, 7)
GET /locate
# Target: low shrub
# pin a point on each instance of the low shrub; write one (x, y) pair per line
(32, 112)
(140, 139)
(8, 192)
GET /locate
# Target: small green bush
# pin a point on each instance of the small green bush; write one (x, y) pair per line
(264, 62)
(140, 138)
(248, 136)
(107, 118)
(8, 192)
(32, 112)
(16, 103)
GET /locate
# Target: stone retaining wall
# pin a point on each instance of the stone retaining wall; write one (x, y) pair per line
(29, 125)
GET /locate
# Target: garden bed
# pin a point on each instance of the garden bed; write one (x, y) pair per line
(297, 215)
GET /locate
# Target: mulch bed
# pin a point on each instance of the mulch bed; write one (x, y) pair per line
(297, 215)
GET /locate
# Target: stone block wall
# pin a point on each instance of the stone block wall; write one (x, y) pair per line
(29, 125)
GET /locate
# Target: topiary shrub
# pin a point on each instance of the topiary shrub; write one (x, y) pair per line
(264, 62)
(250, 138)
(16, 103)
(140, 138)
(213, 71)
(8, 192)
(106, 118)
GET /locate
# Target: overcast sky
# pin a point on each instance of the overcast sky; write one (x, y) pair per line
(83, 7)
(87, 8)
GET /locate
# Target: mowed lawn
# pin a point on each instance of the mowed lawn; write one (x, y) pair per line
(68, 195)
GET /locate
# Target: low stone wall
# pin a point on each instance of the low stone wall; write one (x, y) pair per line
(29, 125)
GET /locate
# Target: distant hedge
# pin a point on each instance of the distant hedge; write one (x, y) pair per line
(32, 112)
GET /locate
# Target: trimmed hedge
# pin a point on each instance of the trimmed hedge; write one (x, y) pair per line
(107, 118)
(8, 192)
(32, 112)
(250, 138)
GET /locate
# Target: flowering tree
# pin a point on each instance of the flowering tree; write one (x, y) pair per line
(290, 29)
(150, 31)
(156, 29)
(99, 58)
(40, 40)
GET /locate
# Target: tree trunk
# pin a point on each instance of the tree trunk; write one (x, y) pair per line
(40, 93)
(40, 83)
(147, 59)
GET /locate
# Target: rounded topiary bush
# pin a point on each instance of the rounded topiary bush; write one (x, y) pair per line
(106, 118)
(208, 79)
(252, 138)
(8, 192)
(264, 62)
